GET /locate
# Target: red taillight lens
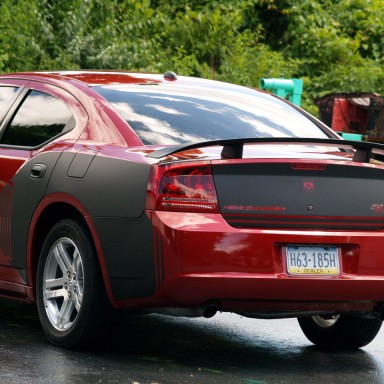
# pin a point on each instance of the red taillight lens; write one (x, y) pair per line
(188, 188)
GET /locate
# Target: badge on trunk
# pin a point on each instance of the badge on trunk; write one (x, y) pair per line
(308, 185)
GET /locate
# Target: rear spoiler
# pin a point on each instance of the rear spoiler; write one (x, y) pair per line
(233, 148)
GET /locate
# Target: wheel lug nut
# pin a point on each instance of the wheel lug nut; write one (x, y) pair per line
(69, 294)
(68, 274)
(65, 285)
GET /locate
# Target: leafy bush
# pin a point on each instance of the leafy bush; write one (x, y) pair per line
(334, 45)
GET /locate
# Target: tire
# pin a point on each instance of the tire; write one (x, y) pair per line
(339, 331)
(70, 295)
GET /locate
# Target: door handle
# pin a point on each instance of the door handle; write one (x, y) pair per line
(38, 171)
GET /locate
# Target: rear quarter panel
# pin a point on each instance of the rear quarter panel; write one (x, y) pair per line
(112, 191)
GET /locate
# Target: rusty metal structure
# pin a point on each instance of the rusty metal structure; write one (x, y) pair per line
(355, 115)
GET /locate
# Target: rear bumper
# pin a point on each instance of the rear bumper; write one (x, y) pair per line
(234, 293)
(200, 259)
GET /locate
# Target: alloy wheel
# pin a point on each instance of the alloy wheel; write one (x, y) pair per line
(63, 284)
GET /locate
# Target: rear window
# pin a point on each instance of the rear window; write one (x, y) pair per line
(163, 114)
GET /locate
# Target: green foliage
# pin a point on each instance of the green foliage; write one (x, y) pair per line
(350, 77)
(334, 45)
(21, 31)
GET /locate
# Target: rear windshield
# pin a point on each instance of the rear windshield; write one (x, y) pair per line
(171, 114)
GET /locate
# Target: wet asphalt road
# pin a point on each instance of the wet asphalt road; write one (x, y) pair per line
(163, 350)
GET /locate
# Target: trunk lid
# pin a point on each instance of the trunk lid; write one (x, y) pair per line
(299, 194)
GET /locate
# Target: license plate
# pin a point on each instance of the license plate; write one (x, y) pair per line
(312, 260)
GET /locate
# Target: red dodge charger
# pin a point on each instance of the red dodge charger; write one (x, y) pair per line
(183, 196)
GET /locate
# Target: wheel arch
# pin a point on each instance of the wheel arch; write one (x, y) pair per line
(47, 214)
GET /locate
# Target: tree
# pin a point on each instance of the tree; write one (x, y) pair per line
(334, 45)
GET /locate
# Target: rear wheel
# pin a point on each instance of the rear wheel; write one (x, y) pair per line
(339, 331)
(70, 295)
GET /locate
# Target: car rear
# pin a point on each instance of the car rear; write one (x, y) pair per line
(255, 205)
(270, 234)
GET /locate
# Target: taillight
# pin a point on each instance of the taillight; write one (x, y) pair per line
(188, 188)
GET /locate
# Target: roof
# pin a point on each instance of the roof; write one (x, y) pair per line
(91, 78)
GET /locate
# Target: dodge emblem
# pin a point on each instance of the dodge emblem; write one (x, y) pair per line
(308, 185)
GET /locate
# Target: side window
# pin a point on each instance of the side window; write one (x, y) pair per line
(40, 118)
(6, 96)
